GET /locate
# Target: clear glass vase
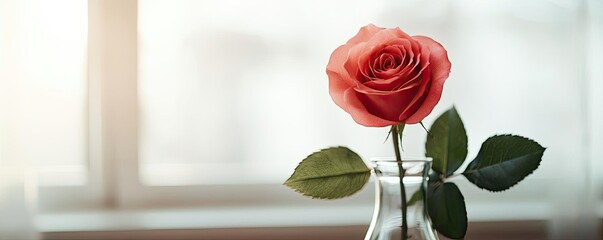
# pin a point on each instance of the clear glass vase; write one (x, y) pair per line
(387, 217)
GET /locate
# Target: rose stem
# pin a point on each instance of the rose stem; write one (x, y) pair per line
(395, 135)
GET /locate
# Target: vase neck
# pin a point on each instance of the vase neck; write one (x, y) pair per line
(410, 168)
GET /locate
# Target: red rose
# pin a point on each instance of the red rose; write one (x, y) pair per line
(385, 77)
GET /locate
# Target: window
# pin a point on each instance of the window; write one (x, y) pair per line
(224, 89)
(44, 88)
(232, 90)
(205, 104)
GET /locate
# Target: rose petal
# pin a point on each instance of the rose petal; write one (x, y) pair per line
(394, 84)
(364, 34)
(440, 69)
(339, 80)
(418, 99)
(387, 106)
(410, 72)
(407, 78)
(351, 64)
(413, 74)
(365, 57)
(382, 39)
(438, 58)
(359, 112)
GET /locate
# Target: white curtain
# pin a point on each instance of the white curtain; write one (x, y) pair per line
(17, 188)
(42, 103)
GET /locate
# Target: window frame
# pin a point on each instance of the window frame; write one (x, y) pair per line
(113, 140)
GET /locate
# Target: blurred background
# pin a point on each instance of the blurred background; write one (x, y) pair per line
(157, 119)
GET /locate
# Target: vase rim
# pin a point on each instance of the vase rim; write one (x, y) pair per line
(404, 159)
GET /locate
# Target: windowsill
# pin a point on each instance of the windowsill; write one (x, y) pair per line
(528, 220)
(529, 201)
(197, 218)
(258, 217)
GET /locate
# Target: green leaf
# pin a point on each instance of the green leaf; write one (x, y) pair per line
(416, 197)
(388, 134)
(434, 177)
(329, 174)
(503, 161)
(400, 131)
(447, 143)
(400, 128)
(424, 128)
(446, 208)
